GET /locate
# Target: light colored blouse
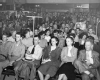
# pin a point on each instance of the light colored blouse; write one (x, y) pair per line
(68, 54)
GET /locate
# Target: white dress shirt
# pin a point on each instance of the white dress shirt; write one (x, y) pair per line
(37, 53)
(30, 48)
(47, 38)
(89, 57)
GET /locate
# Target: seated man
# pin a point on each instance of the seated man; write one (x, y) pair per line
(15, 53)
(88, 62)
(34, 52)
(33, 56)
(3, 44)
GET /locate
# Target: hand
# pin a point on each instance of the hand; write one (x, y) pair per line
(16, 68)
(91, 75)
(86, 66)
(11, 63)
(64, 59)
(88, 62)
(28, 56)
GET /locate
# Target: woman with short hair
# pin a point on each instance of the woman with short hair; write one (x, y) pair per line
(68, 56)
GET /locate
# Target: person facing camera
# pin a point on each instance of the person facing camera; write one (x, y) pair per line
(68, 56)
(51, 60)
(88, 62)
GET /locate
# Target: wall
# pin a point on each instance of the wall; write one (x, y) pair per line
(63, 1)
(56, 1)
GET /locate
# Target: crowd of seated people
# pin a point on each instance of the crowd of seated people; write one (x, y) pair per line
(61, 47)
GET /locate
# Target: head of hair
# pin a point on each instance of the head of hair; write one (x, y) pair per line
(19, 33)
(12, 31)
(47, 30)
(71, 31)
(90, 39)
(55, 31)
(72, 35)
(53, 37)
(25, 31)
(5, 34)
(82, 34)
(71, 39)
(41, 33)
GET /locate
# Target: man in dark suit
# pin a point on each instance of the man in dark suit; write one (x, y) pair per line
(88, 62)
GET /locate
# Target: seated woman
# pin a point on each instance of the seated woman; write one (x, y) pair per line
(27, 39)
(68, 56)
(50, 62)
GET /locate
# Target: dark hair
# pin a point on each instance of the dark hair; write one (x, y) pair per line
(47, 30)
(90, 39)
(19, 33)
(82, 34)
(70, 31)
(11, 32)
(41, 33)
(55, 39)
(55, 31)
(77, 29)
(37, 36)
(72, 35)
(71, 39)
(5, 34)
(25, 32)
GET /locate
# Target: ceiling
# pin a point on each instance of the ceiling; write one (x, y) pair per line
(53, 1)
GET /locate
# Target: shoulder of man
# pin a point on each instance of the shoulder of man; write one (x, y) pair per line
(96, 53)
(82, 51)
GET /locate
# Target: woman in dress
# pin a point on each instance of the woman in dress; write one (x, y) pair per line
(51, 60)
(68, 56)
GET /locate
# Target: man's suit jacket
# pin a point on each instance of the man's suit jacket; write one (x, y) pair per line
(96, 60)
(95, 56)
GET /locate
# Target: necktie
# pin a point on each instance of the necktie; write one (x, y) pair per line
(32, 52)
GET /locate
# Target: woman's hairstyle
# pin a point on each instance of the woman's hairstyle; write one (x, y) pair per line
(55, 31)
(70, 31)
(72, 35)
(82, 34)
(5, 34)
(47, 30)
(24, 32)
(71, 40)
(53, 37)
(11, 32)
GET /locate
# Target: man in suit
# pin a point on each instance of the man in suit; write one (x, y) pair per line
(88, 62)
